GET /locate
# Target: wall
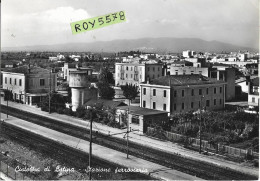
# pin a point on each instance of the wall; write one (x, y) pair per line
(188, 70)
(153, 71)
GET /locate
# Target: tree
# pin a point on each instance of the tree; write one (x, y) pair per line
(106, 76)
(57, 101)
(130, 91)
(105, 91)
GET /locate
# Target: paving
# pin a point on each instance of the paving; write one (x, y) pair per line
(166, 146)
(113, 156)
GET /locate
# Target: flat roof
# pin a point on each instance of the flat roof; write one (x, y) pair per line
(141, 110)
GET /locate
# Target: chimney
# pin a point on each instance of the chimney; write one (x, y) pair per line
(29, 68)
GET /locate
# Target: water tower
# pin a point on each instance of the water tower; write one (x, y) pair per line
(81, 90)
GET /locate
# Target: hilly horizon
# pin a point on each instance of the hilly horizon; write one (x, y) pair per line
(160, 45)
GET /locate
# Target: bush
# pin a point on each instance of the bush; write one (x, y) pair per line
(60, 110)
(80, 112)
(68, 112)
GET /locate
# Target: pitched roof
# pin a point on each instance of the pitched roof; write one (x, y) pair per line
(106, 103)
(178, 80)
(142, 111)
(25, 70)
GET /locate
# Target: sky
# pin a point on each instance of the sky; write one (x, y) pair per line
(45, 22)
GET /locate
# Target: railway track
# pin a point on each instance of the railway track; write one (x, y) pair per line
(201, 169)
(74, 158)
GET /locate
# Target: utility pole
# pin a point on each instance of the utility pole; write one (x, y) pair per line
(7, 97)
(50, 93)
(200, 120)
(90, 143)
(127, 135)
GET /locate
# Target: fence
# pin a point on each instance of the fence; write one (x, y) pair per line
(11, 173)
(205, 145)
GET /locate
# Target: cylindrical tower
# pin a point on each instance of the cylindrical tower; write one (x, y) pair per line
(79, 83)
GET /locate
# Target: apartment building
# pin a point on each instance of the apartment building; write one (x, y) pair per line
(135, 73)
(182, 93)
(188, 70)
(253, 92)
(29, 84)
(228, 75)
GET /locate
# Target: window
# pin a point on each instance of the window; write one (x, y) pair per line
(192, 92)
(164, 107)
(131, 75)
(199, 103)
(164, 93)
(148, 68)
(135, 119)
(175, 93)
(174, 107)
(42, 82)
(154, 105)
(153, 76)
(253, 99)
(144, 104)
(182, 105)
(191, 105)
(131, 68)
(153, 69)
(158, 68)
(215, 102)
(182, 93)
(126, 68)
(126, 75)
(144, 91)
(158, 75)
(10, 81)
(6, 80)
(14, 81)
(154, 92)
(220, 90)
(207, 91)
(20, 82)
(207, 103)
(215, 90)
(200, 91)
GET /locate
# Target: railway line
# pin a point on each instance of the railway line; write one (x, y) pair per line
(192, 167)
(69, 155)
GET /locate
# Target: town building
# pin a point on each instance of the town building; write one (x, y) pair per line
(140, 118)
(29, 84)
(228, 75)
(182, 93)
(188, 70)
(253, 93)
(135, 72)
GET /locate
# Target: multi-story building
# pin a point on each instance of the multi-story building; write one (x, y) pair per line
(135, 73)
(253, 92)
(188, 70)
(226, 74)
(29, 84)
(182, 93)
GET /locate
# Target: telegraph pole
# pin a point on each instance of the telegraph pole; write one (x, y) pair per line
(90, 143)
(200, 120)
(127, 135)
(50, 93)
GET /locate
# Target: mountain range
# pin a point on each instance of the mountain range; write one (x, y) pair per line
(160, 45)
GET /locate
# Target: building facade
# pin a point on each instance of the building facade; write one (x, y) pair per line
(29, 84)
(253, 93)
(187, 70)
(135, 73)
(182, 93)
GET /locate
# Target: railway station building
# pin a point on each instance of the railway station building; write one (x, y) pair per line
(29, 84)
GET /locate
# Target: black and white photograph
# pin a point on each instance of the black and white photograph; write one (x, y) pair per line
(129, 90)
